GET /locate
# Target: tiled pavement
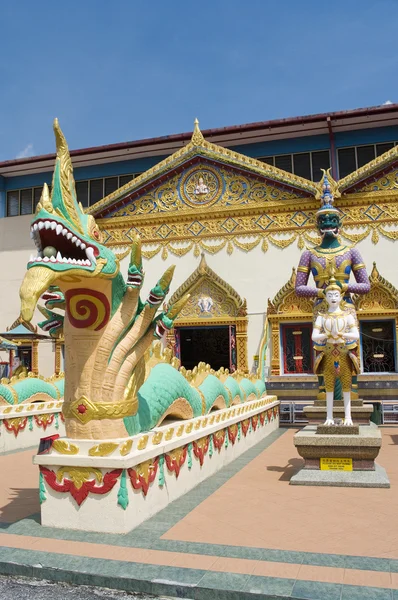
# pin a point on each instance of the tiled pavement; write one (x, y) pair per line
(244, 533)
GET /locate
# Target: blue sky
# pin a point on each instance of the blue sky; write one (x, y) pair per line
(120, 70)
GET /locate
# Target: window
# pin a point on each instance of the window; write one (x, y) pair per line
(24, 202)
(304, 164)
(284, 162)
(351, 159)
(378, 346)
(347, 161)
(297, 350)
(82, 192)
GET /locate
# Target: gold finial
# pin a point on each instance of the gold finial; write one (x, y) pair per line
(202, 264)
(197, 137)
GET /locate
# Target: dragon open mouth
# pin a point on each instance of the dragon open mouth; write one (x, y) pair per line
(135, 279)
(56, 244)
(50, 325)
(154, 299)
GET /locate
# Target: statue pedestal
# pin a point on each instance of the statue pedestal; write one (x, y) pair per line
(360, 413)
(112, 486)
(339, 458)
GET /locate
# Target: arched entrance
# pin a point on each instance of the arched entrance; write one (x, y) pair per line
(212, 326)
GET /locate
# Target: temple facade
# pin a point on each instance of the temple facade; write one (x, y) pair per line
(235, 226)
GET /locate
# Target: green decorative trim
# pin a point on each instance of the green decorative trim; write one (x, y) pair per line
(42, 488)
(161, 470)
(211, 447)
(30, 419)
(56, 421)
(250, 427)
(239, 431)
(190, 455)
(123, 495)
(226, 443)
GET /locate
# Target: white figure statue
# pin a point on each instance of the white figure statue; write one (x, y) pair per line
(201, 188)
(336, 335)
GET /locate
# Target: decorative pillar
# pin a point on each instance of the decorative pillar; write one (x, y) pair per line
(58, 356)
(241, 344)
(35, 357)
(12, 355)
(275, 360)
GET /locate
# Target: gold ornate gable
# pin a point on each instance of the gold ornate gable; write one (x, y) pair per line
(287, 302)
(382, 299)
(205, 198)
(212, 302)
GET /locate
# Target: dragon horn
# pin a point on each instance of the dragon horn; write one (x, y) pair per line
(176, 308)
(135, 256)
(165, 280)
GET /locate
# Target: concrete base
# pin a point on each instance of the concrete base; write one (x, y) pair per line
(363, 479)
(359, 414)
(129, 480)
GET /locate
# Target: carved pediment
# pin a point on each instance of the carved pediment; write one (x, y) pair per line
(202, 175)
(210, 296)
(383, 295)
(287, 302)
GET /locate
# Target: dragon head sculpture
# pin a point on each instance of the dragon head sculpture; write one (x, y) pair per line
(68, 242)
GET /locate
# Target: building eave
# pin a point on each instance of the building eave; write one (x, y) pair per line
(249, 133)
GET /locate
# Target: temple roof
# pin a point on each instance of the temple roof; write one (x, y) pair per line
(199, 148)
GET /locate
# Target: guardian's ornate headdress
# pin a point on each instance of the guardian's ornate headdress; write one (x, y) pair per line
(327, 192)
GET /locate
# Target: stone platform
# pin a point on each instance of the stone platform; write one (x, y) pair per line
(376, 478)
(361, 450)
(360, 412)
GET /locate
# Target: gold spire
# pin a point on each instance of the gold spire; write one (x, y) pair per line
(202, 264)
(197, 138)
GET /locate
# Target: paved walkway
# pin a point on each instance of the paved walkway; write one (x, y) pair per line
(243, 533)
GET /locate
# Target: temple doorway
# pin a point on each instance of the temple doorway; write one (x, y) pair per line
(297, 348)
(215, 346)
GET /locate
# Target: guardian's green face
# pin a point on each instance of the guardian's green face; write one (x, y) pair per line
(328, 224)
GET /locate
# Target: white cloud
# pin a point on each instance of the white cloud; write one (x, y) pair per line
(27, 151)
(387, 102)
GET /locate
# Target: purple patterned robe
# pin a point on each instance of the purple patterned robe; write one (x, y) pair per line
(344, 261)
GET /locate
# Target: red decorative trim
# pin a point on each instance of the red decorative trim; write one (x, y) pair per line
(262, 418)
(233, 433)
(276, 411)
(254, 422)
(79, 494)
(61, 414)
(175, 460)
(16, 424)
(44, 420)
(245, 426)
(270, 413)
(200, 448)
(219, 439)
(143, 475)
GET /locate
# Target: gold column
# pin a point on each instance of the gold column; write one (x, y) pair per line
(241, 344)
(275, 360)
(58, 356)
(35, 357)
(12, 355)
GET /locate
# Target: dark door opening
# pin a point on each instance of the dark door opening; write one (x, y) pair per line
(378, 346)
(205, 344)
